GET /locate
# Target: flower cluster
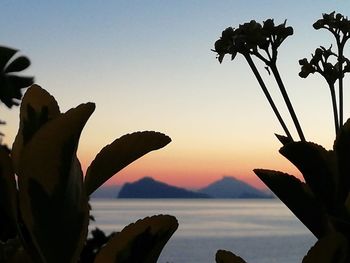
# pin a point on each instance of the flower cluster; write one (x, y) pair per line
(335, 23)
(320, 63)
(251, 36)
(321, 201)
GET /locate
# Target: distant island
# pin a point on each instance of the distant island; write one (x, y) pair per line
(230, 187)
(227, 187)
(147, 187)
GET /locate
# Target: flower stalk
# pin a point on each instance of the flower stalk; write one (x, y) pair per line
(340, 82)
(267, 95)
(283, 90)
(339, 27)
(321, 200)
(251, 38)
(334, 105)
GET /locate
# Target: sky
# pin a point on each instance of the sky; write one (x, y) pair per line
(148, 65)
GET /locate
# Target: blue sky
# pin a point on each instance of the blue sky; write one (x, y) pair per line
(148, 66)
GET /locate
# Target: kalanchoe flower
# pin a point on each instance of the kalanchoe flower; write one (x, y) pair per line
(347, 65)
(306, 68)
(335, 23)
(261, 41)
(11, 84)
(224, 45)
(319, 63)
(250, 38)
(339, 26)
(277, 34)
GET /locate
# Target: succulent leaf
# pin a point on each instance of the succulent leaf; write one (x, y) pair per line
(8, 197)
(37, 108)
(223, 256)
(297, 196)
(142, 241)
(53, 204)
(342, 150)
(18, 64)
(121, 153)
(283, 139)
(330, 249)
(11, 85)
(318, 167)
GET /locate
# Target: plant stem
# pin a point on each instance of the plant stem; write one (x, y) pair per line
(287, 101)
(335, 111)
(340, 63)
(267, 94)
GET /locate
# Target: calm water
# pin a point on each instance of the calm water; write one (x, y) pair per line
(260, 231)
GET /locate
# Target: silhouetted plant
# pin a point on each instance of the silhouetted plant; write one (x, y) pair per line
(339, 26)
(322, 202)
(320, 63)
(253, 39)
(46, 218)
(12, 84)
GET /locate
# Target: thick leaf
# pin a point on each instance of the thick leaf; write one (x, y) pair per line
(284, 139)
(11, 84)
(8, 197)
(139, 242)
(121, 153)
(19, 64)
(11, 88)
(16, 84)
(223, 256)
(13, 252)
(53, 204)
(318, 167)
(298, 198)
(37, 108)
(342, 150)
(5, 55)
(97, 239)
(333, 248)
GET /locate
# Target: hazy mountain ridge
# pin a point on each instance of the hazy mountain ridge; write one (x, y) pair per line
(230, 187)
(227, 187)
(147, 187)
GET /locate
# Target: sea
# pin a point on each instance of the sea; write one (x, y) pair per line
(258, 230)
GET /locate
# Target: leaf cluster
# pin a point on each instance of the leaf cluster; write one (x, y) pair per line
(12, 84)
(45, 218)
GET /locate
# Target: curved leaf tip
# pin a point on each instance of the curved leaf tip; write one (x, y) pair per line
(119, 154)
(224, 256)
(52, 202)
(334, 247)
(298, 197)
(141, 241)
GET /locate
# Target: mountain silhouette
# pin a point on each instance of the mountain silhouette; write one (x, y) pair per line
(230, 187)
(147, 187)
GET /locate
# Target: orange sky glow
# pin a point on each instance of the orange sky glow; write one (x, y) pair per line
(149, 66)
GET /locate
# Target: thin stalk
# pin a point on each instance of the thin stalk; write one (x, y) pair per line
(335, 111)
(268, 96)
(287, 101)
(340, 82)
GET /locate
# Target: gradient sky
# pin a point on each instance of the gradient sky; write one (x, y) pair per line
(148, 66)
